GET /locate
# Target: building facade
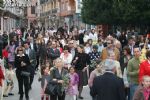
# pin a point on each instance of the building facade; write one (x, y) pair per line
(30, 14)
(49, 13)
(17, 14)
(71, 11)
(10, 14)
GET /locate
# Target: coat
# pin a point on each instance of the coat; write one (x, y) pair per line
(56, 75)
(53, 54)
(18, 61)
(104, 54)
(108, 87)
(1, 76)
(144, 69)
(32, 58)
(138, 95)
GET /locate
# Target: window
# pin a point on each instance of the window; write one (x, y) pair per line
(32, 9)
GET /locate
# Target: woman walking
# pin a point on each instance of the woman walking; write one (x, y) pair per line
(22, 62)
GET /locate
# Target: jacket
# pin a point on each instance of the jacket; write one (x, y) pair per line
(144, 69)
(108, 87)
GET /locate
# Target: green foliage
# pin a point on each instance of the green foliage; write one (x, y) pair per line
(1, 3)
(116, 11)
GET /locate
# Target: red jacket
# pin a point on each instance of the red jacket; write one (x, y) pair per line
(5, 53)
(1, 76)
(144, 69)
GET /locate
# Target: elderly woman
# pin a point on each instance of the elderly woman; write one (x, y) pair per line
(22, 63)
(57, 74)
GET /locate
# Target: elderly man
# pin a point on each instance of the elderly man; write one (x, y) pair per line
(108, 86)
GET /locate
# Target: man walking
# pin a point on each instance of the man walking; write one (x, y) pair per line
(108, 86)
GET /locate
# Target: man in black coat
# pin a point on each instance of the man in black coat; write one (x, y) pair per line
(53, 53)
(108, 86)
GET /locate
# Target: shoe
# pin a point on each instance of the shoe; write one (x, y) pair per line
(39, 79)
(5, 95)
(10, 94)
(21, 98)
(80, 97)
(27, 98)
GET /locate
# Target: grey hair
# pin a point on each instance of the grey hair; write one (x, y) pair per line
(58, 60)
(109, 64)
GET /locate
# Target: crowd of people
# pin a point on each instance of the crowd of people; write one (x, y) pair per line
(115, 67)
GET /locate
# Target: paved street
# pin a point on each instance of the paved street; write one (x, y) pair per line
(35, 92)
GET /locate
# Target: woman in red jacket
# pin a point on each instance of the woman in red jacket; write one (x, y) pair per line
(145, 67)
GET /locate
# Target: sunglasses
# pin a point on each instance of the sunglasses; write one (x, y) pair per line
(109, 43)
(20, 50)
(70, 43)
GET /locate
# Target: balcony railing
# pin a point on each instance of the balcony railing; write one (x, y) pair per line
(53, 11)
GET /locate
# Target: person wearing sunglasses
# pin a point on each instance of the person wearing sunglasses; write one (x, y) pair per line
(21, 63)
(110, 48)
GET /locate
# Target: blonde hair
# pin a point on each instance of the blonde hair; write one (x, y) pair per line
(146, 77)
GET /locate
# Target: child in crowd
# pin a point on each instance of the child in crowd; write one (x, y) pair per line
(45, 71)
(72, 89)
(143, 91)
(9, 81)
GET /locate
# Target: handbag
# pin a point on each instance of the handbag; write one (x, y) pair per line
(25, 73)
(51, 89)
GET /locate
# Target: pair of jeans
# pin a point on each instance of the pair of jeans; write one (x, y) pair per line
(133, 88)
(23, 81)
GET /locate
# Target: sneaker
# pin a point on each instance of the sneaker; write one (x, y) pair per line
(10, 94)
(21, 98)
(5, 95)
(27, 98)
(80, 97)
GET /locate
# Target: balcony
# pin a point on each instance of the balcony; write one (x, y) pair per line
(50, 12)
(45, 13)
(43, 1)
(67, 12)
(55, 10)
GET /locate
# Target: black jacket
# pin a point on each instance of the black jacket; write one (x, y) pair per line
(82, 61)
(59, 76)
(53, 54)
(108, 87)
(18, 61)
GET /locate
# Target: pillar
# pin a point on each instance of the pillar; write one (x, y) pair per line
(2, 24)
